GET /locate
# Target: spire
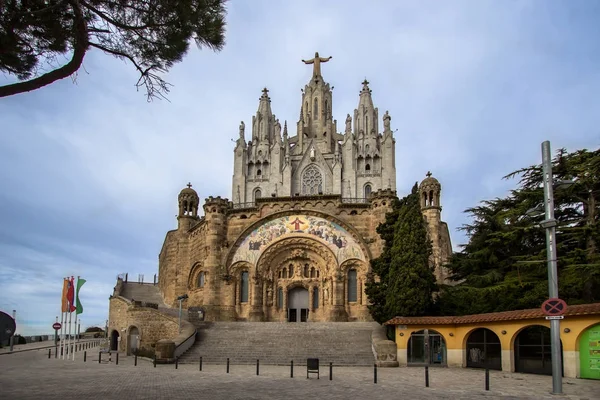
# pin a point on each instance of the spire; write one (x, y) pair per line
(263, 122)
(366, 115)
(365, 95)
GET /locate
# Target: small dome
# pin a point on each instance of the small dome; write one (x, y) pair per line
(430, 182)
(188, 191)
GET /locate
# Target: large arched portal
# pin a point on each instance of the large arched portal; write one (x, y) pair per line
(299, 251)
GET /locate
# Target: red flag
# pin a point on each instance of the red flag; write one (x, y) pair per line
(64, 305)
(71, 295)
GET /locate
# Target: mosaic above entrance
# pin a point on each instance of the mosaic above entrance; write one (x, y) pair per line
(336, 238)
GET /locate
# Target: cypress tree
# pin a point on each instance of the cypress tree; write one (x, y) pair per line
(406, 281)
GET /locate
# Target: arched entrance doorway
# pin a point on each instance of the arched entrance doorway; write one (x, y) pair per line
(426, 347)
(589, 353)
(133, 340)
(298, 305)
(114, 340)
(533, 353)
(484, 350)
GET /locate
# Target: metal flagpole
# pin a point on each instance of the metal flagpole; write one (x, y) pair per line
(63, 321)
(75, 327)
(69, 310)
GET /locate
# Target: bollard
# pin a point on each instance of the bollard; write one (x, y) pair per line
(227, 365)
(487, 379)
(292, 369)
(426, 376)
(61, 351)
(374, 373)
(55, 352)
(200, 367)
(117, 360)
(154, 361)
(84, 356)
(49, 353)
(330, 371)
(257, 364)
(99, 357)
(135, 360)
(177, 363)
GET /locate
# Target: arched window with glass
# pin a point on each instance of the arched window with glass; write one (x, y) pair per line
(244, 287)
(352, 286)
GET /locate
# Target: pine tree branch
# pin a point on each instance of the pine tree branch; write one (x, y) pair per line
(80, 47)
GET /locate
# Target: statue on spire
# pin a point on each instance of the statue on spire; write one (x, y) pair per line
(317, 64)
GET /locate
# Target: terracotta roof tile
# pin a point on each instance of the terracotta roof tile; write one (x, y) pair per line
(532, 313)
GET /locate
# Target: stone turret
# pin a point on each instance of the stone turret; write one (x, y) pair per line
(188, 208)
(430, 193)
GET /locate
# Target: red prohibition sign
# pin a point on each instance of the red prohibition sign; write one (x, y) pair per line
(554, 306)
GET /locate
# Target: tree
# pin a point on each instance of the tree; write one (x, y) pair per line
(94, 329)
(503, 266)
(152, 35)
(406, 281)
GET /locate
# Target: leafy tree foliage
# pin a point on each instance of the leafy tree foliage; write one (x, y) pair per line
(150, 34)
(94, 329)
(503, 266)
(404, 281)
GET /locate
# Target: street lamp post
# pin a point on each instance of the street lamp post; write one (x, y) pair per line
(549, 224)
(181, 299)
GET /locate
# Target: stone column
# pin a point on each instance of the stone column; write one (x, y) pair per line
(228, 308)
(256, 304)
(337, 311)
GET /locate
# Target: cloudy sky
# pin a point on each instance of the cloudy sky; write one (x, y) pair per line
(90, 171)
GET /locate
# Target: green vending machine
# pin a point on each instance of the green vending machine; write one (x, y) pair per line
(589, 353)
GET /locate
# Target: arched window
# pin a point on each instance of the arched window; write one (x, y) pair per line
(306, 270)
(280, 298)
(367, 148)
(257, 194)
(326, 109)
(279, 275)
(201, 280)
(366, 124)
(367, 191)
(352, 292)
(312, 180)
(316, 109)
(258, 172)
(284, 271)
(312, 272)
(367, 167)
(244, 287)
(315, 297)
(291, 270)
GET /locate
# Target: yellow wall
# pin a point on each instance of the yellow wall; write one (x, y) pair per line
(456, 335)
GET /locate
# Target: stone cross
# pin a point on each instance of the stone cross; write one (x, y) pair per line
(317, 63)
(189, 185)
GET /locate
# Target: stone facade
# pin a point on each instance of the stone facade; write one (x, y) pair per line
(297, 240)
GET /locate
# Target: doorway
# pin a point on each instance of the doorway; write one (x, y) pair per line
(298, 305)
(114, 340)
(426, 347)
(484, 350)
(533, 353)
(133, 340)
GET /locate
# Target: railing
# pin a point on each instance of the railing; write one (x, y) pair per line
(368, 174)
(355, 200)
(185, 345)
(237, 206)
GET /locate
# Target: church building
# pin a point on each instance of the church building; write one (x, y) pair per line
(296, 239)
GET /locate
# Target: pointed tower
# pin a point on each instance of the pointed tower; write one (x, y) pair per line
(371, 154)
(316, 120)
(429, 192)
(240, 167)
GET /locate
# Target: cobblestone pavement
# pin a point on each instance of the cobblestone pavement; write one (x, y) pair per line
(31, 375)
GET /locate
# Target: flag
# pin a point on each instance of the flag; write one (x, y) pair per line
(71, 295)
(64, 306)
(80, 283)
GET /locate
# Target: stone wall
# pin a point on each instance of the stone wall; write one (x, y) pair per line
(151, 324)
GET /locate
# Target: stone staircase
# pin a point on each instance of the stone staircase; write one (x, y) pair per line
(277, 343)
(146, 292)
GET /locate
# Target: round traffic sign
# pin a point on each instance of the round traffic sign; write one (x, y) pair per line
(56, 325)
(554, 306)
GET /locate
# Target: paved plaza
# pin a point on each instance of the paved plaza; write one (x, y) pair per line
(31, 375)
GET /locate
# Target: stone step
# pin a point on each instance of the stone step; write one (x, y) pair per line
(277, 343)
